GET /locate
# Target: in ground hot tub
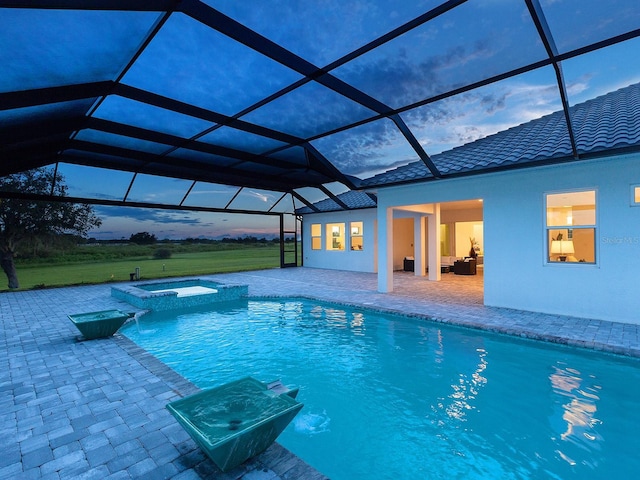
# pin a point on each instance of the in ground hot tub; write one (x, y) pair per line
(165, 295)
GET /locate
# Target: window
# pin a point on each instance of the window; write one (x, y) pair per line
(571, 227)
(356, 236)
(316, 236)
(635, 195)
(335, 236)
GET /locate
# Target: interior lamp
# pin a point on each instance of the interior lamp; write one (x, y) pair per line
(562, 248)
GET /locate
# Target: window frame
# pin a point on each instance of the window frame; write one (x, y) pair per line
(314, 237)
(360, 234)
(571, 228)
(331, 239)
(632, 195)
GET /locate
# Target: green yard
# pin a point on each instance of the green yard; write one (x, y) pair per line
(83, 268)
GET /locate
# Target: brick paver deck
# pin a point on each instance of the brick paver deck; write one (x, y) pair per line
(96, 409)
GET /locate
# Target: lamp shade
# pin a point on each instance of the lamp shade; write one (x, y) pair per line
(562, 247)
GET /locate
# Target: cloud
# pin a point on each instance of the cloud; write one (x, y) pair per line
(184, 61)
(401, 79)
(323, 31)
(492, 104)
(121, 222)
(260, 196)
(371, 147)
(309, 110)
(445, 124)
(379, 145)
(148, 215)
(224, 190)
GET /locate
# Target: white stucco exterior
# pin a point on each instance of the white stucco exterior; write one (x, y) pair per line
(516, 271)
(364, 260)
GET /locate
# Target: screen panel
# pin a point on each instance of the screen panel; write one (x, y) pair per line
(292, 154)
(138, 114)
(464, 118)
(576, 23)
(46, 47)
(240, 140)
(255, 200)
(205, 158)
(81, 181)
(121, 141)
(49, 113)
(322, 32)
(308, 110)
(601, 71)
(154, 189)
(472, 42)
(284, 205)
(368, 149)
(594, 74)
(212, 195)
(193, 63)
(311, 194)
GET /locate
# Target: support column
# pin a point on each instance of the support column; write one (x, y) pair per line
(419, 248)
(434, 243)
(385, 250)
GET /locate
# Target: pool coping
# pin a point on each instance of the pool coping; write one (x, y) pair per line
(518, 332)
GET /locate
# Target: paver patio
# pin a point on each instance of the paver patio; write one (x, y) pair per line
(96, 409)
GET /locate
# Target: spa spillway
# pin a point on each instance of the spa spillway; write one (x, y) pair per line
(99, 324)
(236, 421)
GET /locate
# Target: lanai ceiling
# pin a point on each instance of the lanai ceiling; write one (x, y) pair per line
(287, 99)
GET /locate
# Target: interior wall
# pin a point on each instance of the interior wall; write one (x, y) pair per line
(517, 271)
(459, 244)
(464, 232)
(402, 241)
(460, 215)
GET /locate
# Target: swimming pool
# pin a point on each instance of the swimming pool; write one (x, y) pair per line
(392, 397)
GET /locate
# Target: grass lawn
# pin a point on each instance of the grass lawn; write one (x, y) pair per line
(118, 270)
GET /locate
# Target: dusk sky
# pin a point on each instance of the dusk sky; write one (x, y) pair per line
(195, 64)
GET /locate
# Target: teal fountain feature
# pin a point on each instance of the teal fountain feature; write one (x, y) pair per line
(238, 420)
(99, 324)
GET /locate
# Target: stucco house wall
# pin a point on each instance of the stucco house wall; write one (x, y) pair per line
(347, 259)
(516, 272)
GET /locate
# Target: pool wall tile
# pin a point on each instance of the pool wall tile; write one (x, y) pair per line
(142, 297)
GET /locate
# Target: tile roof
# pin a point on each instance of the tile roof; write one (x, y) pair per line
(354, 199)
(608, 122)
(611, 121)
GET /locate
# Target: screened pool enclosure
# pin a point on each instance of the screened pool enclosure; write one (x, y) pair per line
(266, 107)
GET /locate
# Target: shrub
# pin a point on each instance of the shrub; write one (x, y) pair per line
(162, 253)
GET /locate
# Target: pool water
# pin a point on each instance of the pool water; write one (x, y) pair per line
(187, 291)
(390, 397)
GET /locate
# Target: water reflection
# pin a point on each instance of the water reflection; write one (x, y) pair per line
(579, 421)
(467, 388)
(357, 323)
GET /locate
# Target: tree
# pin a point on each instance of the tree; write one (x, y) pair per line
(143, 238)
(27, 220)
